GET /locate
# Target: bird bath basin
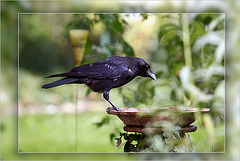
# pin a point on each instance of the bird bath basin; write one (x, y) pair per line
(135, 117)
(164, 121)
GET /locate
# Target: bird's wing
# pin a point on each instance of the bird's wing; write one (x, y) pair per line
(100, 70)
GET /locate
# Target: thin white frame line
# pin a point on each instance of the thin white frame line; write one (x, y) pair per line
(43, 13)
(132, 152)
(0, 74)
(104, 1)
(225, 82)
(18, 109)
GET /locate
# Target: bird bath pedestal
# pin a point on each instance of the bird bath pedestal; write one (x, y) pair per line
(142, 120)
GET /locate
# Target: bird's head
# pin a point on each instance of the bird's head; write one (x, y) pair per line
(144, 69)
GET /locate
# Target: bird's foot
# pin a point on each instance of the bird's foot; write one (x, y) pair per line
(114, 108)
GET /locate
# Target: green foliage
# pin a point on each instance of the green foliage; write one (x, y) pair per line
(126, 48)
(79, 21)
(113, 23)
(199, 85)
(110, 42)
(168, 141)
(48, 52)
(203, 50)
(41, 49)
(134, 142)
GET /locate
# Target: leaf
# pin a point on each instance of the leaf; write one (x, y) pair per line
(124, 22)
(213, 24)
(173, 95)
(127, 147)
(127, 49)
(198, 29)
(119, 141)
(144, 16)
(88, 46)
(88, 92)
(112, 136)
(213, 38)
(167, 33)
(104, 121)
(117, 26)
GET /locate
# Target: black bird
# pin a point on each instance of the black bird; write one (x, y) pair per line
(106, 74)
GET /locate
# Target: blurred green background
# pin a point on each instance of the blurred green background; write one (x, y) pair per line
(190, 73)
(185, 51)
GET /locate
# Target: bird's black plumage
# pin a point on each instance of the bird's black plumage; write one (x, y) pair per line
(106, 74)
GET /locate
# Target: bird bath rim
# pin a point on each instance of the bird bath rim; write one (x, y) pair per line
(140, 117)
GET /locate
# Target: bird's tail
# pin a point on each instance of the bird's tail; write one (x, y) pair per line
(59, 82)
(58, 75)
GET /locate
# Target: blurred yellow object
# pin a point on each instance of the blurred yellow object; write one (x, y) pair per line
(78, 40)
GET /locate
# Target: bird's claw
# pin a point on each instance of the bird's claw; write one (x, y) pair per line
(114, 108)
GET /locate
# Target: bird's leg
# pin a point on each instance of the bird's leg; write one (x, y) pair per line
(106, 96)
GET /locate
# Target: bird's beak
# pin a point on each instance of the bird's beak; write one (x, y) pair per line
(151, 75)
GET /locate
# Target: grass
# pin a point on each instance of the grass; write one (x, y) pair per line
(203, 141)
(56, 133)
(9, 135)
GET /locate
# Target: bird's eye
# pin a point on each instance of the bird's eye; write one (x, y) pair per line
(147, 65)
